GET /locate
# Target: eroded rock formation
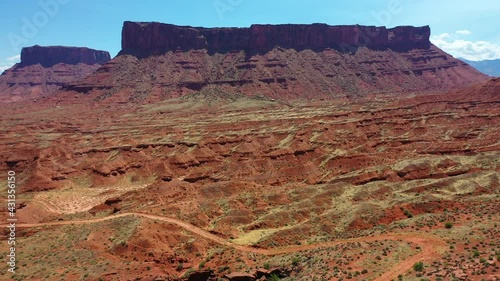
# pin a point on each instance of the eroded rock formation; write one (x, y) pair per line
(43, 70)
(161, 61)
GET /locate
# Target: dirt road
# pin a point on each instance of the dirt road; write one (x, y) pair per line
(428, 243)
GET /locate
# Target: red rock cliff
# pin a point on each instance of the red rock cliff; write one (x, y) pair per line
(50, 56)
(156, 38)
(43, 70)
(162, 61)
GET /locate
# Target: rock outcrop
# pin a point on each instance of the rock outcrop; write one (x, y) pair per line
(156, 38)
(44, 70)
(52, 55)
(240, 276)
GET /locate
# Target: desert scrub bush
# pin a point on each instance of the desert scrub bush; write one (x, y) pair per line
(419, 266)
(295, 260)
(223, 268)
(274, 277)
(188, 273)
(408, 214)
(266, 265)
(448, 224)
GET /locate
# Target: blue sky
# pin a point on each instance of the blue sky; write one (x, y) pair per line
(464, 28)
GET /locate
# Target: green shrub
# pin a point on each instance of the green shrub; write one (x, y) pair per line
(408, 214)
(188, 273)
(448, 224)
(274, 277)
(419, 266)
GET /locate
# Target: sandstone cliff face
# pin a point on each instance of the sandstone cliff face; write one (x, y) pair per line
(52, 55)
(43, 70)
(155, 38)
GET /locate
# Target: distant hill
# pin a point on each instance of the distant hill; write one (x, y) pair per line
(490, 67)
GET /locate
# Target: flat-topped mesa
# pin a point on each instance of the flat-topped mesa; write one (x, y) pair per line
(44, 70)
(281, 62)
(52, 55)
(156, 38)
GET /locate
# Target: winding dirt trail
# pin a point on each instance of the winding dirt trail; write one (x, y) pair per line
(428, 243)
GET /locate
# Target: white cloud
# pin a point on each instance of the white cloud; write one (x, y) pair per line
(471, 50)
(4, 67)
(442, 36)
(463, 32)
(9, 62)
(14, 58)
